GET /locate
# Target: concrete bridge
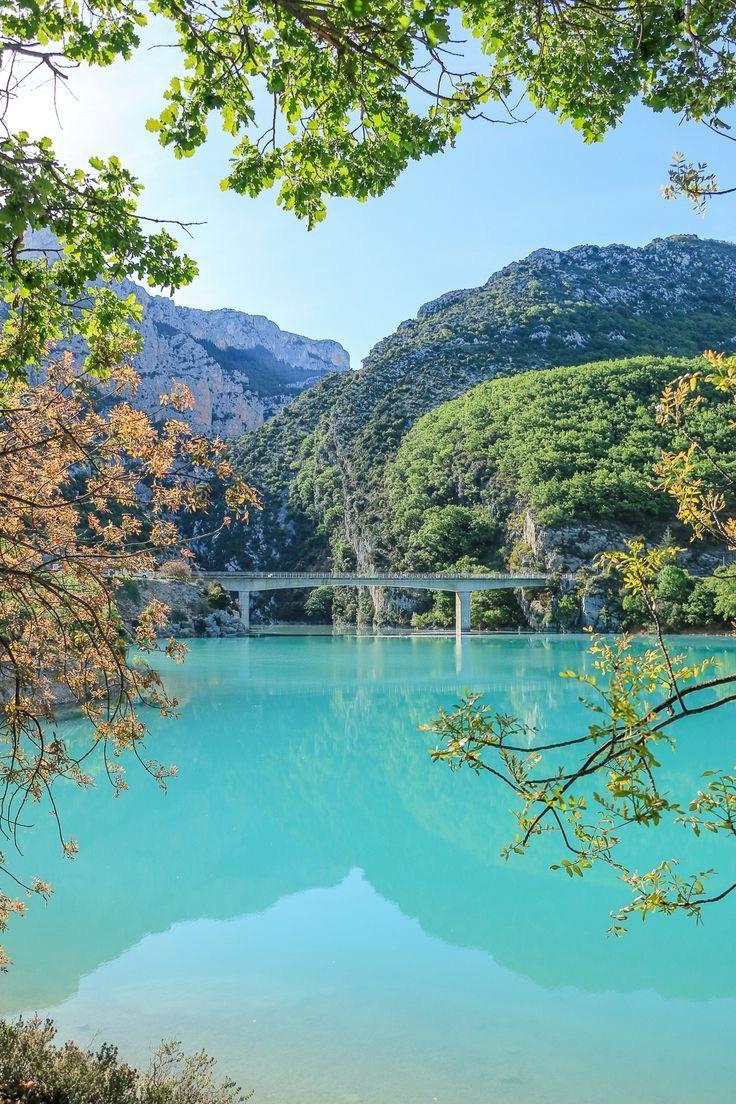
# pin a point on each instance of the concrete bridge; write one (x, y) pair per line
(243, 583)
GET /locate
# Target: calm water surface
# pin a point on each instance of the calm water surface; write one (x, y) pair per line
(323, 909)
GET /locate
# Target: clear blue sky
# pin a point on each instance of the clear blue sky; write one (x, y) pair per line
(449, 222)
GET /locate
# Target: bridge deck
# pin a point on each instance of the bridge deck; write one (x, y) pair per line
(463, 584)
(440, 580)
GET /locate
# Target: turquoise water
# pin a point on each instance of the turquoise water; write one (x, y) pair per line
(324, 909)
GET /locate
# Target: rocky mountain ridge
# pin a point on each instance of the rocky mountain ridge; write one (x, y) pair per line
(668, 273)
(241, 368)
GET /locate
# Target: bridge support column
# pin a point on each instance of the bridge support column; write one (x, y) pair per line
(244, 607)
(462, 611)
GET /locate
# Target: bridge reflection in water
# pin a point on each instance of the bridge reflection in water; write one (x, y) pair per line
(461, 584)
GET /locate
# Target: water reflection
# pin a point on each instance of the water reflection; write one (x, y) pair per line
(306, 793)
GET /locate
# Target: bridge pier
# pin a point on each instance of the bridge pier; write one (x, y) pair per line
(244, 607)
(462, 611)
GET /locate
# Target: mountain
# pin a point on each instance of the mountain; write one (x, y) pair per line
(241, 368)
(323, 464)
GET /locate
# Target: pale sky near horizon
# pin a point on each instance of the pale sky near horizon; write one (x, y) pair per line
(449, 222)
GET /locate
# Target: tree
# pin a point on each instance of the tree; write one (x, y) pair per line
(445, 536)
(723, 589)
(318, 605)
(89, 492)
(328, 98)
(593, 788)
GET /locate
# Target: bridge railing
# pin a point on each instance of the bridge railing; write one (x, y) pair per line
(399, 575)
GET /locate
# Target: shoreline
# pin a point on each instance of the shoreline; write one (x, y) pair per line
(304, 629)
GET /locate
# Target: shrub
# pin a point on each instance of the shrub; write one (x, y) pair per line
(177, 568)
(131, 588)
(217, 596)
(496, 609)
(318, 606)
(36, 1070)
(567, 610)
(440, 615)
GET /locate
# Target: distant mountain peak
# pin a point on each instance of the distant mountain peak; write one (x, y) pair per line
(241, 368)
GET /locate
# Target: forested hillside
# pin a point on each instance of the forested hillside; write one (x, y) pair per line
(327, 464)
(546, 470)
(569, 445)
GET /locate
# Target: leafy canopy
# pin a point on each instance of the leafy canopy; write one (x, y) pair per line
(335, 97)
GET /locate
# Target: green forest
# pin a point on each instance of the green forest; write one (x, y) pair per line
(571, 448)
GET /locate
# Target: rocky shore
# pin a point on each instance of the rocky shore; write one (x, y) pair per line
(196, 608)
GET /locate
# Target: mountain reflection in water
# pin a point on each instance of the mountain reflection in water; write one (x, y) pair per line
(369, 916)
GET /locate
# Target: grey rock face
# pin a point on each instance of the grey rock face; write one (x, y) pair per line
(568, 548)
(571, 550)
(190, 612)
(241, 368)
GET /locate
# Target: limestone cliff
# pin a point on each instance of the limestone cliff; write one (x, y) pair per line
(241, 368)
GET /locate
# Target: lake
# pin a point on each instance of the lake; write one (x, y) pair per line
(324, 909)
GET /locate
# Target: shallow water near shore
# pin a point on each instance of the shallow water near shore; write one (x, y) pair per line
(324, 909)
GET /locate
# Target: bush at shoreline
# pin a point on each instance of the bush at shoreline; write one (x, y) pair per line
(34, 1069)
